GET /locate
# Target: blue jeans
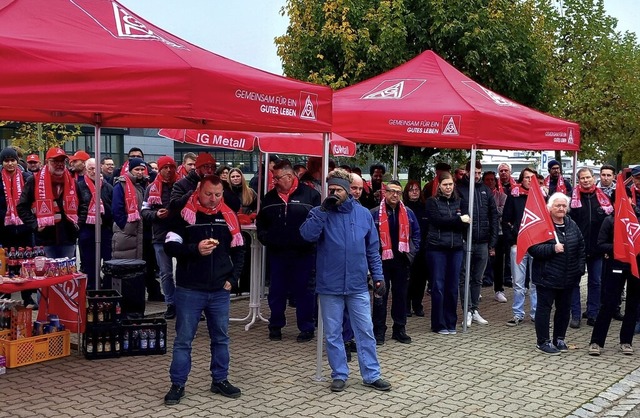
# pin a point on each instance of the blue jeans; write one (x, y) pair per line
(445, 271)
(165, 264)
(359, 307)
(189, 305)
(594, 279)
(479, 259)
(519, 274)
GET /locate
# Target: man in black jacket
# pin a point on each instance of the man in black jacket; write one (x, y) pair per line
(484, 238)
(291, 258)
(210, 253)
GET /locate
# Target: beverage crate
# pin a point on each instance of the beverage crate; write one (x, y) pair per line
(144, 337)
(36, 349)
(102, 341)
(5, 334)
(103, 306)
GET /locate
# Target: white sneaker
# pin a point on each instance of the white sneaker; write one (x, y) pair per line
(480, 320)
(500, 297)
(469, 318)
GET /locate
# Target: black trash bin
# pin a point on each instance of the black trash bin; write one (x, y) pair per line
(127, 277)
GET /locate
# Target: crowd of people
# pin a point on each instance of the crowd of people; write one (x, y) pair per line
(397, 242)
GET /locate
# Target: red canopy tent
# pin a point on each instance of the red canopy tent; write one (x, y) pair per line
(284, 143)
(428, 102)
(94, 61)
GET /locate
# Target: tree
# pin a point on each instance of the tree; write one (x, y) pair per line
(33, 137)
(498, 43)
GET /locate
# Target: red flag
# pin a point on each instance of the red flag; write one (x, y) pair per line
(626, 231)
(536, 225)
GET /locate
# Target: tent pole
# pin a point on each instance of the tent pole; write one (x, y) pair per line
(467, 260)
(98, 183)
(395, 161)
(319, 338)
(574, 171)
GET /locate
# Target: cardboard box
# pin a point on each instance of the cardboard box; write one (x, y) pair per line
(21, 322)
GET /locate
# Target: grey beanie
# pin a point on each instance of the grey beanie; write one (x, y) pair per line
(340, 182)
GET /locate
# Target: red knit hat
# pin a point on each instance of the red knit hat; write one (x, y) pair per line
(203, 158)
(165, 160)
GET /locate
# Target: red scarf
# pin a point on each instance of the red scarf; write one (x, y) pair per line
(285, 196)
(91, 215)
(434, 186)
(603, 199)
(181, 172)
(193, 205)
(13, 185)
(366, 187)
(155, 190)
(385, 235)
(45, 204)
(518, 190)
(560, 186)
(130, 200)
(512, 182)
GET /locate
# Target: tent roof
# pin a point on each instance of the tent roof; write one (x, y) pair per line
(427, 102)
(68, 60)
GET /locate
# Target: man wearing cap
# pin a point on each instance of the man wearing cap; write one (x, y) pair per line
(128, 195)
(33, 163)
(13, 232)
(87, 234)
(348, 243)
(431, 188)
(155, 210)
(555, 182)
(290, 257)
(77, 164)
(50, 206)
(183, 188)
(399, 233)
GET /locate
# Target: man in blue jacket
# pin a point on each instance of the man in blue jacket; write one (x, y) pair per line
(347, 246)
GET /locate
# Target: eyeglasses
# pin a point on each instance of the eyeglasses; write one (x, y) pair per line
(393, 192)
(278, 178)
(414, 189)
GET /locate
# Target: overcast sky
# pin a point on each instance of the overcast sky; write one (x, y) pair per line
(244, 30)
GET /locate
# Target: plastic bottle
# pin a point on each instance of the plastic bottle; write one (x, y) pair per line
(3, 262)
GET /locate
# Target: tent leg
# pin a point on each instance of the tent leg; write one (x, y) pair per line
(98, 183)
(467, 270)
(395, 162)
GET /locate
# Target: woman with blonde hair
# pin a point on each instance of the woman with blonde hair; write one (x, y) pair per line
(245, 194)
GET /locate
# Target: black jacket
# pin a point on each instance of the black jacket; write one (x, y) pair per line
(199, 272)
(445, 227)
(11, 230)
(512, 216)
(485, 214)
(605, 246)
(559, 270)
(63, 232)
(106, 195)
(589, 219)
(278, 223)
(159, 227)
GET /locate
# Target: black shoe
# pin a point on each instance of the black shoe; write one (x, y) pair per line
(171, 312)
(562, 346)
(409, 314)
(275, 334)
(575, 323)
(225, 388)
(584, 315)
(338, 385)
(401, 336)
(591, 321)
(202, 317)
(618, 316)
(173, 396)
(305, 336)
(419, 312)
(353, 347)
(379, 341)
(379, 384)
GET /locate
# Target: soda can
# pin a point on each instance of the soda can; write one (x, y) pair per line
(54, 320)
(38, 327)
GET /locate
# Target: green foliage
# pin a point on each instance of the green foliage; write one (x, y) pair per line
(34, 137)
(571, 64)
